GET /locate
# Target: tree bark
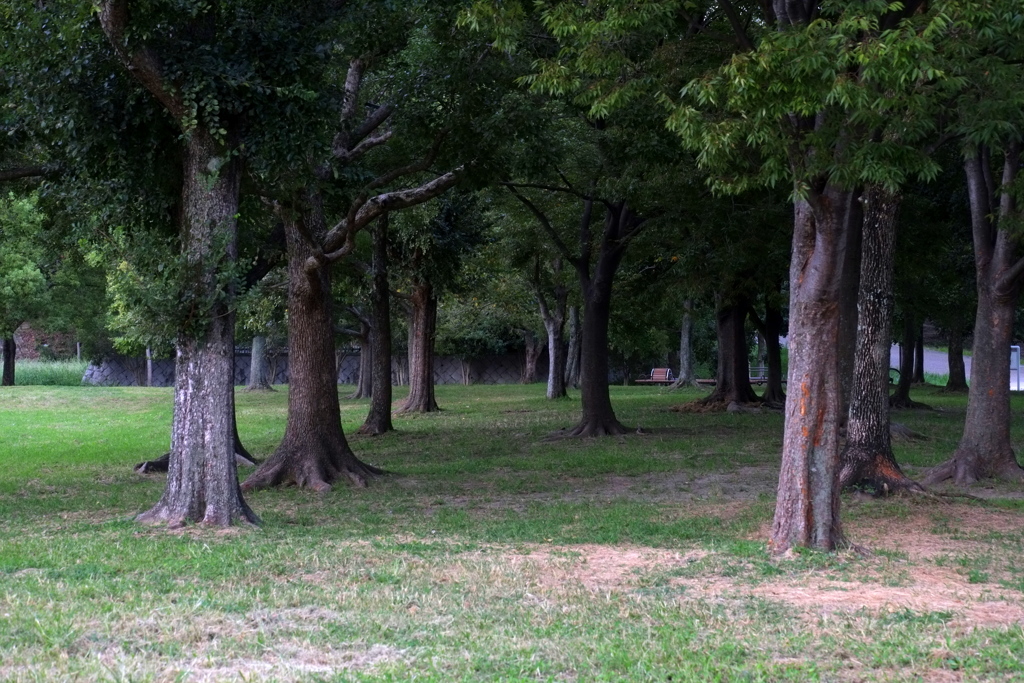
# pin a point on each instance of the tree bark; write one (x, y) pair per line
(378, 420)
(556, 357)
(202, 481)
(598, 416)
(242, 455)
(851, 248)
(773, 393)
(10, 353)
(422, 328)
(572, 356)
(532, 348)
(955, 356)
(314, 453)
(687, 376)
(732, 381)
(900, 398)
(867, 459)
(807, 506)
(364, 383)
(259, 368)
(553, 314)
(985, 449)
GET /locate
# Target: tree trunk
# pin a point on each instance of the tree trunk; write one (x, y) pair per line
(867, 458)
(532, 348)
(807, 506)
(554, 326)
(572, 356)
(732, 381)
(202, 481)
(378, 420)
(900, 398)
(364, 384)
(598, 416)
(957, 370)
(773, 393)
(687, 376)
(919, 355)
(985, 449)
(422, 327)
(851, 247)
(242, 455)
(10, 351)
(314, 453)
(259, 368)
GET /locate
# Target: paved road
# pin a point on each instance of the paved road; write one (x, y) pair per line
(935, 362)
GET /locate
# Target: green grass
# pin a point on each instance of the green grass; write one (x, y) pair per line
(494, 553)
(65, 373)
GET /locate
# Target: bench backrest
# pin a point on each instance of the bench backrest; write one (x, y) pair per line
(661, 374)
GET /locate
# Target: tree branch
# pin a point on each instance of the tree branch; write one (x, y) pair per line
(340, 239)
(141, 63)
(543, 220)
(737, 26)
(17, 173)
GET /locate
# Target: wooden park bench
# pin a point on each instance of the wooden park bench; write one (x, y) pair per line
(658, 376)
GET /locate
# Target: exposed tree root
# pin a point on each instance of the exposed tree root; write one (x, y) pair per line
(163, 463)
(968, 466)
(874, 469)
(315, 468)
(903, 433)
(896, 402)
(591, 428)
(176, 520)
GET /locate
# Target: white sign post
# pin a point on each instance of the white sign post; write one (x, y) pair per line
(1015, 368)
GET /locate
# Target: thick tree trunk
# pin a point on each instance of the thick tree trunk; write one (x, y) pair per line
(378, 420)
(955, 356)
(422, 327)
(202, 481)
(572, 356)
(807, 506)
(687, 376)
(364, 384)
(243, 457)
(867, 459)
(259, 368)
(10, 352)
(314, 453)
(985, 449)
(532, 348)
(732, 382)
(598, 416)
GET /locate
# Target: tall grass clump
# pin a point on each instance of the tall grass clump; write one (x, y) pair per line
(52, 373)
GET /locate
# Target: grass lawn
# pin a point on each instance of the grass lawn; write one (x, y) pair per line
(494, 553)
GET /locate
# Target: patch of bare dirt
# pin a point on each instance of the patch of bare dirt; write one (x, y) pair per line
(598, 567)
(922, 586)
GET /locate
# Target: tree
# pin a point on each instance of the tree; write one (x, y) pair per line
(867, 457)
(860, 104)
(394, 116)
(23, 285)
(207, 69)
